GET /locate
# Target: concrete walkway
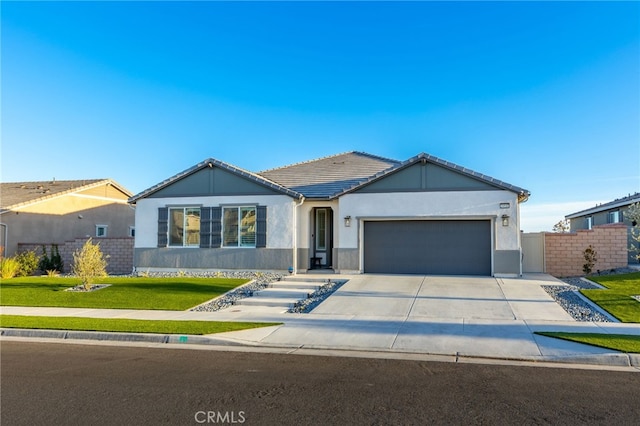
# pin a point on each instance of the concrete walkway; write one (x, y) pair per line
(439, 315)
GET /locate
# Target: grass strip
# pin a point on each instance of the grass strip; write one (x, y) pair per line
(175, 294)
(619, 342)
(127, 325)
(617, 298)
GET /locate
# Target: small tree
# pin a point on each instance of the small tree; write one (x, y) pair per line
(562, 226)
(52, 262)
(89, 263)
(633, 214)
(590, 258)
(28, 261)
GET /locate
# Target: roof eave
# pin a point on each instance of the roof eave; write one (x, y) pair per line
(523, 194)
(115, 184)
(210, 162)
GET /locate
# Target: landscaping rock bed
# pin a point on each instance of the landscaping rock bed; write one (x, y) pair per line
(81, 288)
(259, 281)
(576, 306)
(307, 305)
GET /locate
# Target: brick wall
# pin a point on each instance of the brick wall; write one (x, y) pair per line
(564, 251)
(118, 250)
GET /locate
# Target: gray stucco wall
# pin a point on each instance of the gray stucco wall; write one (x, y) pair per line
(506, 262)
(348, 259)
(214, 259)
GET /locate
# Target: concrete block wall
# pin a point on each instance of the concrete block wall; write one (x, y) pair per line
(564, 252)
(118, 250)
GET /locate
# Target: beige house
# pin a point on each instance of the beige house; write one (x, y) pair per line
(54, 212)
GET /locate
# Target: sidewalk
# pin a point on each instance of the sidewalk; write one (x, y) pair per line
(458, 317)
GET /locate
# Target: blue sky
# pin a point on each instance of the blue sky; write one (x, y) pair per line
(544, 95)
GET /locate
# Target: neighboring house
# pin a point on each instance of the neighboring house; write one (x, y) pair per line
(54, 212)
(352, 212)
(611, 212)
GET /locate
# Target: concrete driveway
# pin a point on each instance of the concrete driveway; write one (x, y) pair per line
(447, 315)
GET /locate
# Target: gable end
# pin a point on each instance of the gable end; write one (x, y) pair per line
(423, 177)
(210, 181)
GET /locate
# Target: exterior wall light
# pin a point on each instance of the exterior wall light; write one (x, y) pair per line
(347, 221)
(505, 220)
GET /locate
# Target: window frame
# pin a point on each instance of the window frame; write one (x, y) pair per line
(185, 227)
(589, 222)
(614, 216)
(238, 228)
(105, 228)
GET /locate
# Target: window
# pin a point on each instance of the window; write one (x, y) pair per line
(588, 222)
(132, 231)
(321, 229)
(184, 226)
(101, 231)
(239, 227)
(613, 217)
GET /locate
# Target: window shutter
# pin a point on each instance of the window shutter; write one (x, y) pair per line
(163, 226)
(261, 226)
(216, 227)
(205, 227)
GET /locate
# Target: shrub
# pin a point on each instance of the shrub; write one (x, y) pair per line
(9, 267)
(89, 263)
(52, 262)
(28, 261)
(590, 257)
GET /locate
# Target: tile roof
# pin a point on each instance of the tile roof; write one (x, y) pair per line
(328, 176)
(620, 202)
(15, 194)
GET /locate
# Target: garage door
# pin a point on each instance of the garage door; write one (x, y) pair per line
(446, 247)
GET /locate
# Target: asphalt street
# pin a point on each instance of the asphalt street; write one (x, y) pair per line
(52, 383)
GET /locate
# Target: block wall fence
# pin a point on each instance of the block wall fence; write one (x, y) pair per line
(564, 252)
(118, 250)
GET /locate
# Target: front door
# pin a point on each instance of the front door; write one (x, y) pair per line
(323, 238)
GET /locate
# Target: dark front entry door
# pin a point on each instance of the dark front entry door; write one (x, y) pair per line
(322, 237)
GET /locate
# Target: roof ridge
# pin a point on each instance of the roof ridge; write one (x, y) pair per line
(361, 153)
(305, 162)
(377, 157)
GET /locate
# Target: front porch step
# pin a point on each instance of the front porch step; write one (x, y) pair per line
(295, 285)
(267, 301)
(285, 293)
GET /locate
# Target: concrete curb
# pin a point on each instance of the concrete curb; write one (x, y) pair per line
(116, 337)
(608, 360)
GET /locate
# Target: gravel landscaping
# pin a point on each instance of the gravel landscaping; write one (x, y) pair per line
(307, 305)
(575, 305)
(259, 281)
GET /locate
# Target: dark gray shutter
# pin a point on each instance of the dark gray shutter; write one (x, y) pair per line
(205, 227)
(163, 226)
(261, 226)
(216, 227)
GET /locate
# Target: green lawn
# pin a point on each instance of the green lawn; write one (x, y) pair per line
(618, 342)
(178, 293)
(126, 325)
(617, 298)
